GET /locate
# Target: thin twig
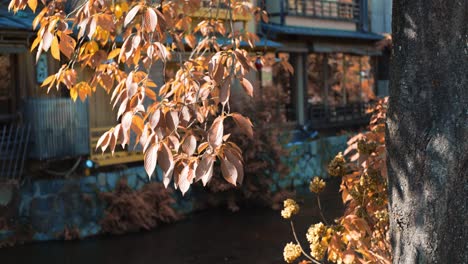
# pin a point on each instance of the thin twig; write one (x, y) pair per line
(299, 243)
(320, 209)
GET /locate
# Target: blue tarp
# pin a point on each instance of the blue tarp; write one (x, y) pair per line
(319, 32)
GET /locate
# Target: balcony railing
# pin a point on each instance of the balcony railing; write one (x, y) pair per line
(343, 10)
(320, 116)
(214, 4)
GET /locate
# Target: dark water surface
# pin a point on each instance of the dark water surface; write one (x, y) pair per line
(248, 236)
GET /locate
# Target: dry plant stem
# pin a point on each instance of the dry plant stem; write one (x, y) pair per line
(299, 243)
(320, 209)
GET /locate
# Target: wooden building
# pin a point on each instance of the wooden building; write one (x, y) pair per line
(332, 47)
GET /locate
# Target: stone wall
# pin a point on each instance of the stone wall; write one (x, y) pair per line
(310, 158)
(53, 207)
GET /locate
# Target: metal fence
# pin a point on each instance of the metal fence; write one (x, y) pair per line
(321, 116)
(59, 128)
(13, 148)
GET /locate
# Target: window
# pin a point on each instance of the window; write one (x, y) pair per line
(339, 86)
(347, 10)
(338, 79)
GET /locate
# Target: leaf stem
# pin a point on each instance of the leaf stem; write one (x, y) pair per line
(320, 209)
(299, 243)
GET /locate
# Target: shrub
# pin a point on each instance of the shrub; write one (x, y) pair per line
(361, 235)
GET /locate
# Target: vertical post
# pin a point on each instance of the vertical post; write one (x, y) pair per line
(343, 81)
(282, 10)
(300, 79)
(325, 82)
(363, 16)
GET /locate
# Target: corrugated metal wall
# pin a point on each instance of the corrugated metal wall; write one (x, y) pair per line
(59, 127)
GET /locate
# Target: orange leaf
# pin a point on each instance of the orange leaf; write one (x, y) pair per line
(74, 93)
(166, 162)
(234, 159)
(47, 39)
(127, 121)
(103, 141)
(113, 53)
(204, 170)
(183, 181)
(229, 171)
(215, 134)
(151, 157)
(33, 5)
(131, 14)
(189, 145)
(247, 86)
(150, 20)
(244, 124)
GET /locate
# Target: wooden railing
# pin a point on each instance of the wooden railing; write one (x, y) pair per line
(120, 156)
(344, 10)
(221, 13)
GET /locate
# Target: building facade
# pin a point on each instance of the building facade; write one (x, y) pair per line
(338, 69)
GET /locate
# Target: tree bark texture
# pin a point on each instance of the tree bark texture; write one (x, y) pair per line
(427, 132)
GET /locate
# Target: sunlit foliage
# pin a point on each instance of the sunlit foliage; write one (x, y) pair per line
(180, 125)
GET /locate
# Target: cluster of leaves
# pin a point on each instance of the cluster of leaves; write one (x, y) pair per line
(361, 235)
(129, 210)
(180, 126)
(262, 152)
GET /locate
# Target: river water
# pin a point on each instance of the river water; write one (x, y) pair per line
(211, 237)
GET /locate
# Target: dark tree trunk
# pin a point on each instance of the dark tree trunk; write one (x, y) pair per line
(427, 132)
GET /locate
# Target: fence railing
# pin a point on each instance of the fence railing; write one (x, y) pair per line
(321, 116)
(14, 141)
(344, 10)
(214, 4)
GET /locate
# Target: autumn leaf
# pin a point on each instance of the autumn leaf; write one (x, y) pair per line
(166, 162)
(113, 53)
(131, 14)
(151, 19)
(150, 160)
(33, 5)
(189, 145)
(215, 134)
(229, 171)
(74, 93)
(47, 39)
(244, 124)
(183, 182)
(248, 88)
(204, 170)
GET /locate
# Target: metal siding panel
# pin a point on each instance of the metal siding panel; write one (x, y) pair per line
(60, 128)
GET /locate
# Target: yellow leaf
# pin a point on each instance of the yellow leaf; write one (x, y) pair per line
(35, 43)
(74, 93)
(33, 5)
(50, 79)
(113, 53)
(55, 48)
